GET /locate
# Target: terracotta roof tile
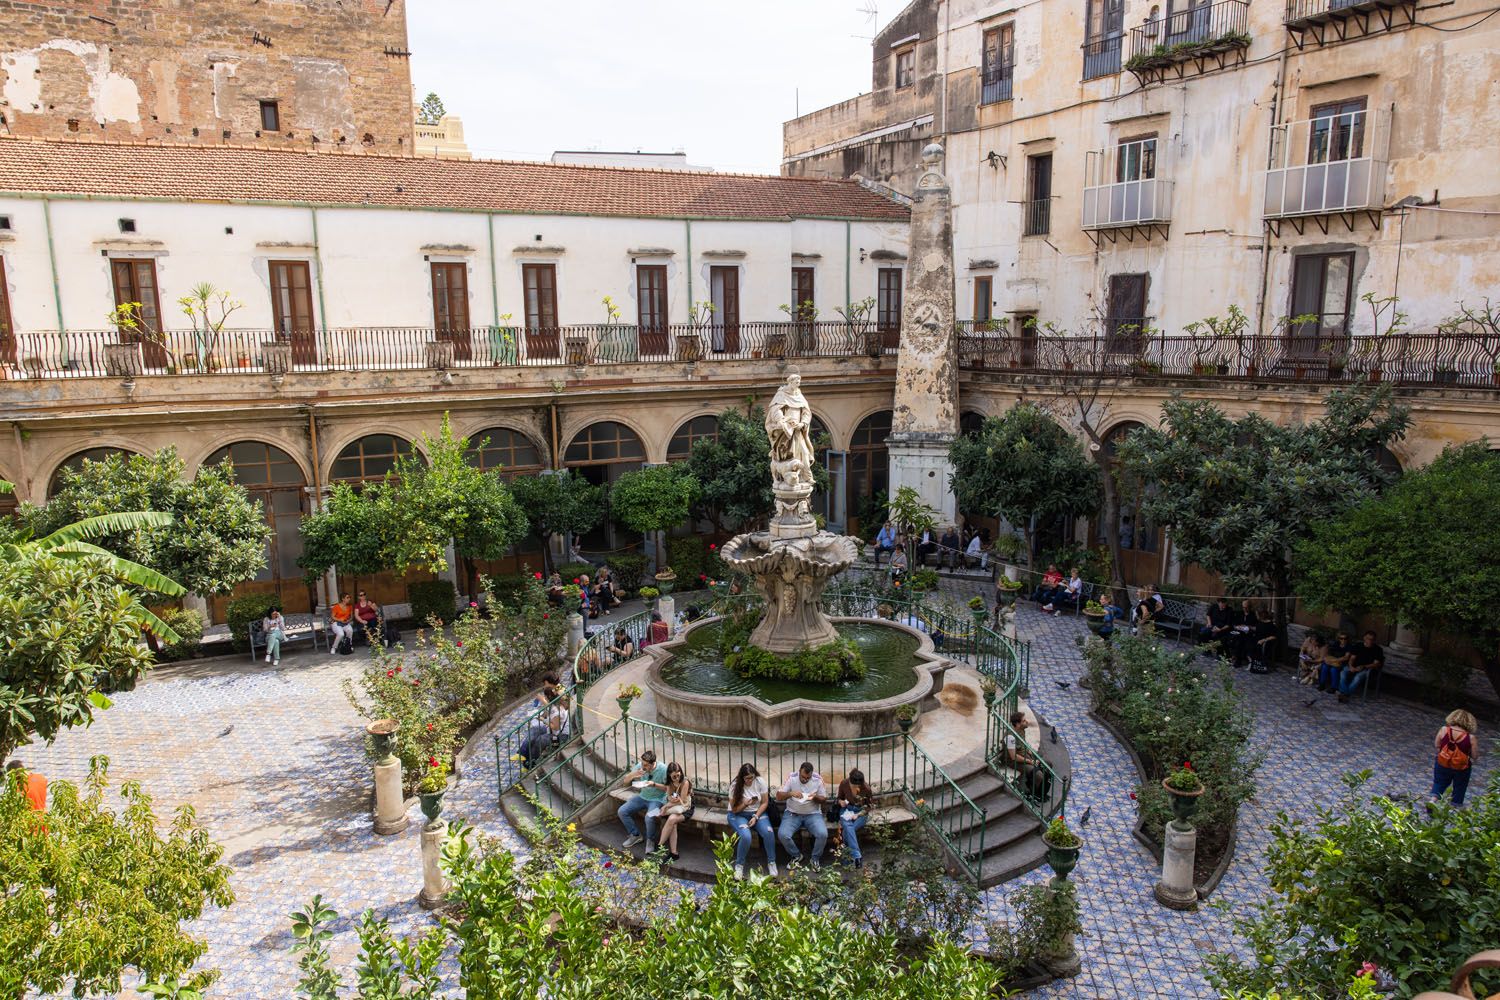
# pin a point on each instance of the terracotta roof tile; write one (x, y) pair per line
(240, 173)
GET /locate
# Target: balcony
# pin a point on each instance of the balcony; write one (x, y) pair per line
(1325, 21)
(1201, 38)
(1101, 55)
(1332, 167)
(108, 353)
(1123, 198)
(1036, 217)
(995, 83)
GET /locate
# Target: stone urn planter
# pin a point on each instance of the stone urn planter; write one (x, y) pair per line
(1184, 801)
(432, 805)
(1006, 596)
(439, 354)
(906, 717)
(277, 356)
(1061, 858)
(665, 581)
(383, 733)
(123, 360)
(1095, 621)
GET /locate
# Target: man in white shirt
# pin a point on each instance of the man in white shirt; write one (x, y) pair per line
(804, 796)
(975, 552)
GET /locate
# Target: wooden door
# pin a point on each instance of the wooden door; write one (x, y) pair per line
(292, 309)
(1126, 320)
(651, 299)
(984, 300)
(7, 332)
(724, 282)
(135, 281)
(450, 307)
(540, 284)
(888, 306)
(804, 309)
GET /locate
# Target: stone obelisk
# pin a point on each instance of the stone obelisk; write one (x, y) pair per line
(926, 411)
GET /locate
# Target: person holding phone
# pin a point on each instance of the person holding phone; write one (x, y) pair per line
(649, 780)
(855, 799)
(677, 807)
(748, 800)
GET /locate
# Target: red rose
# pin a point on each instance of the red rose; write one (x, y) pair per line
(1132, 796)
(432, 762)
(702, 577)
(609, 864)
(390, 673)
(416, 683)
(398, 670)
(1187, 765)
(538, 576)
(460, 644)
(429, 727)
(575, 579)
(545, 615)
(711, 546)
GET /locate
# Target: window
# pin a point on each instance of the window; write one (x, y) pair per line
(271, 476)
(511, 452)
(906, 67)
(135, 281)
(369, 458)
(1337, 131)
(1038, 204)
(7, 332)
(651, 300)
(803, 293)
(999, 63)
(1135, 159)
(75, 462)
(4, 222)
(450, 297)
(984, 299)
(539, 281)
(724, 292)
(704, 428)
(292, 309)
(869, 462)
(1025, 324)
(1103, 31)
(270, 116)
(888, 305)
(1323, 291)
(604, 443)
(1125, 322)
(127, 225)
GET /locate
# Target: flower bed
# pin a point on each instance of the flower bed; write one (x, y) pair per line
(1169, 713)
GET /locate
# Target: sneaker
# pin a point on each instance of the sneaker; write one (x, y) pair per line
(268, 657)
(1057, 614)
(275, 663)
(676, 857)
(633, 839)
(1046, 607)
(859, 862)
(739, 873)
(771, 870)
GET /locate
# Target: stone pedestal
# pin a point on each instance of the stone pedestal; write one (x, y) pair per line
(1175, 890)
(390, 806)
(667, 608)
(434, 885)
(920, 460)
(1407, 643)
(575, 634)
(791, 573)
(1065, 961)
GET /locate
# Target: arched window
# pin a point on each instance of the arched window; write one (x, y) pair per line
(371, 457)
(604, 443)
(704, 428)
(970, 423)
(270, 475)
(869, 463)
(511, 452)
(54, 485)
(1137, 533)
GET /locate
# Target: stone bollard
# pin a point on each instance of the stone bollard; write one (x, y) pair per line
(1176, 889)
(390, 805)
(1065, 961)
(575, 634)
(434, 885)
(668, 609)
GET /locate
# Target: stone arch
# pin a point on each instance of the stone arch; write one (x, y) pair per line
(576, 420)
(279, 480)
(869, 462)
(344, 433)
(288, 445)
(368, 457)
(75, 460)
(508, 449)
(601, 451)
(970, 420)
(689, 431)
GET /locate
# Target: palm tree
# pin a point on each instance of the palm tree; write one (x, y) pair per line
(72, 542)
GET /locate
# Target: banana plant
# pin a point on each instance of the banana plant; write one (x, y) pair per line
(72, 541)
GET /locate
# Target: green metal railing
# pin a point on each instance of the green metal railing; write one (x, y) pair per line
(946, 810)
(1041, 790)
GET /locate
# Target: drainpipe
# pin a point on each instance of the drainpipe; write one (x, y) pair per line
(494, 281)
(56, 285)
(331, 577)
(688, 225)
(318, 260)
(1265, 234)
(848, 264)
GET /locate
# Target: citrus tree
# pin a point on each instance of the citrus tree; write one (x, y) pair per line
(559, 503)
(653, 500)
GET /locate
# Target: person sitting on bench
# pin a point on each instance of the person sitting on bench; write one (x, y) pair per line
(885, 541)
(341, 616)
(1218, 625)
(1019, 755)
(1050, 589)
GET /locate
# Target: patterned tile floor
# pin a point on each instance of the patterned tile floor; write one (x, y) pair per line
(272, 761)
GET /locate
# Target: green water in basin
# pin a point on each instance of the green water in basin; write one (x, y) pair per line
(890, 655)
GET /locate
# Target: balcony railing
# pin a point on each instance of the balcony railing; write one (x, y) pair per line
(1302, 11)
(1036, 217)
(996, 83)
(1101, 55)
(1450, 359)
(1189, 32)
(1335, 163)
(1122, 189)
(94, 353)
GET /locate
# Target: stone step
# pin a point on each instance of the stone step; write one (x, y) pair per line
(1016, 860)
(1001, 834)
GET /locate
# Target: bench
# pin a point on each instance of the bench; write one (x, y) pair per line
(1181, 618)
(298, 628)
(360, 633)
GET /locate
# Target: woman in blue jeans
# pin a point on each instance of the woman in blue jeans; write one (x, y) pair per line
(855, 799)
(747, 811)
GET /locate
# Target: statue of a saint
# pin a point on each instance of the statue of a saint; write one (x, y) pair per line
(788, 425)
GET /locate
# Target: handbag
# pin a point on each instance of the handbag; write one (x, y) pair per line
(681, 809)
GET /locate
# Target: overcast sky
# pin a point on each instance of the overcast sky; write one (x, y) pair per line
(712, 78)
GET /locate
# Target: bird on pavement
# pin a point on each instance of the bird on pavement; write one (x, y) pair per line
(1063, 684)
(1083, 820)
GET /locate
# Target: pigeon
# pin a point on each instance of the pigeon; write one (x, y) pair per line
(1083, 820)
(1063, 684)
(1054, 734)
(1310, 704)
(227, 730)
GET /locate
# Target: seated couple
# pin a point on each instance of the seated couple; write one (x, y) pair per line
(1341, 666)
(804, 795)
(1247, 636)
(552, 725)
(665, 795)
(1052, 593)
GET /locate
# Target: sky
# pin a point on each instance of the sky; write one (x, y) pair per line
(710, 78)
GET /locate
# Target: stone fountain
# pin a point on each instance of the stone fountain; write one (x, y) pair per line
(791, 560)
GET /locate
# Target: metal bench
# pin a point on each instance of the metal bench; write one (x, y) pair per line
(298, 628)
(1181, 618)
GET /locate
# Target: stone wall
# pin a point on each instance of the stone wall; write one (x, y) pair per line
(152, 69)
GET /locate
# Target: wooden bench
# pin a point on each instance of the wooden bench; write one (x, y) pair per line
(298, 628)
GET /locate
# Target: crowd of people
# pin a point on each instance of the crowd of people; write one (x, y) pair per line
(952, 547)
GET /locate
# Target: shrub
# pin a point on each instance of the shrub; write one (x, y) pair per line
(924, 579)
(688, 557)
(829, 663)
(1373, 880)
(627, 568)
(574, 571)
(508, 590)
(432, 599)
(244, 610)
(1444, 678)
(189, 626)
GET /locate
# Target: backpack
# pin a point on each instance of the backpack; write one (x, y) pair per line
(1452, 754)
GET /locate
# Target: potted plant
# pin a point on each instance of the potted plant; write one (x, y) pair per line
(383, 733)
(989, 689)
(978, 610)
(906, 716)
(1007, 590)
(1093, 616)
(649, 595)
(925, 579)
(625, 694)
(1184, 787)
(1063, 847)
(666, 580)
(431, 789)
(123, 358)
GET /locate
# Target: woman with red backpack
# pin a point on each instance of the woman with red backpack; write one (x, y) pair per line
(1456, 750)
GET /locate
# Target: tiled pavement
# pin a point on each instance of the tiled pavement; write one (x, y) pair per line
(273, 762)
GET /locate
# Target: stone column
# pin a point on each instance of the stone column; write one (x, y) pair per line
(390, 805)
(1407, 642)
(925, 420)
(667, 606)
(575, 634)
(434, 885)
(1176, 890)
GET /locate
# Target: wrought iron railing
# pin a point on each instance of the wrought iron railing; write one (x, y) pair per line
(996, 82)
(1036, 783)
(93, 353)
(1189, 30)
(1469, 360)
(1036, 217)
(1303, 10)
(1101, 54)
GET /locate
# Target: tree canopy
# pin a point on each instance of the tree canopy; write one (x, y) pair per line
(1424, 551)
(216, 536)
(561, 503)
(1238, 495)
(734, 471)
(87, 892)
(653, 499)
(431, 110)
(1022, 466)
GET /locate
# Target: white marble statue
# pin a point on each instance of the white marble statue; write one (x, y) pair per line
(789, 425)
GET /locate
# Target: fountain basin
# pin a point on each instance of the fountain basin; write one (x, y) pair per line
(825, 712)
